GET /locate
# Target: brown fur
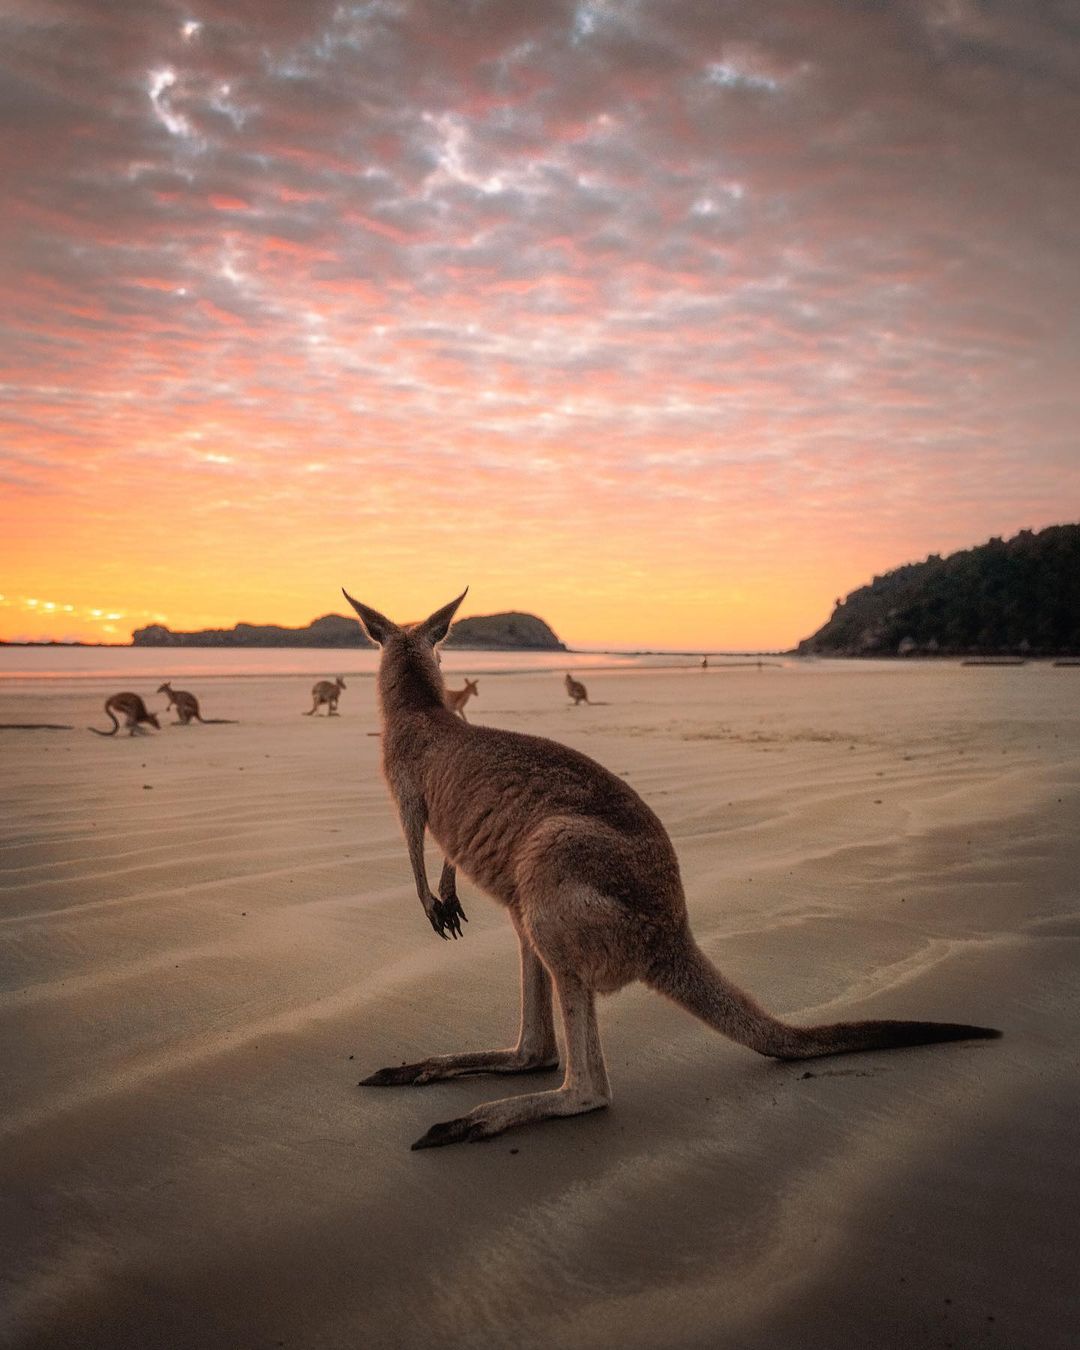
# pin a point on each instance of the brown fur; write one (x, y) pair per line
(187, 708)
(589, 878)
(328, 692)
(134, 712)
(457, 698)
(576, 690)
(186, 705)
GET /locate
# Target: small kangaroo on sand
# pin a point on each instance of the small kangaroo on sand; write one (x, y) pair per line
(576, 690)
(187, 707)
(134, 712)
(328, 692)
(589, 878)
(457, 698)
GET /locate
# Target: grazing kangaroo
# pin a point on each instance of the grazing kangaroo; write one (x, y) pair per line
(576, 690)
(589, 878)
(134, 712)
(187, 707)
(328, 692)
(457, 698)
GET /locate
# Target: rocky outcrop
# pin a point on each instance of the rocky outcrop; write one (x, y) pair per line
(510, 631)
(1020, 597)
(492, 632)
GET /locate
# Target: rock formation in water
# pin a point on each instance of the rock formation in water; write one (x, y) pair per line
(492, 632)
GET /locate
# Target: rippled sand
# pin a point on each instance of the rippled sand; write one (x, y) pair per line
(210, 934)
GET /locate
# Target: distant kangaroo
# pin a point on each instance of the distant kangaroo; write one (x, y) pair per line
(576, 690)
(457, 698)
(589, 878)
(134, 712)
(187, 707)
(328, 692)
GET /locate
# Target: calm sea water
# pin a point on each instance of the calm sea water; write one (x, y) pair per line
(167, 663)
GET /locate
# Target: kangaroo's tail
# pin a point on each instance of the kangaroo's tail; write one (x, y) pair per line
(217, 721)
(690, 979)
(115, 724)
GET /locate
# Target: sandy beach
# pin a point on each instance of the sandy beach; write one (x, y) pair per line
(208, 935)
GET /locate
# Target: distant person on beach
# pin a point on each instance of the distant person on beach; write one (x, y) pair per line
(704, 663)
(328, 692)
(132, 709)
(576, 690)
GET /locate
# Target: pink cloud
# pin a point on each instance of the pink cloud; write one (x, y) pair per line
(651, 262)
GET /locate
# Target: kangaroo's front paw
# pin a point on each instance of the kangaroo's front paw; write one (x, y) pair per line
(446, 916)
(453, 914)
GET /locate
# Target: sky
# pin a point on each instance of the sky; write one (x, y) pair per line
(670, 321)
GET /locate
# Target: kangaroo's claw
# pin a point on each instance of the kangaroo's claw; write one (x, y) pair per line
(394, 1076)
(460, 1131)
(446, 916)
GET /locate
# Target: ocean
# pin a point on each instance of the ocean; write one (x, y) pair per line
(126, 664)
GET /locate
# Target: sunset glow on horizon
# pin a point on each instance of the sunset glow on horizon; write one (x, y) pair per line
(669, 323)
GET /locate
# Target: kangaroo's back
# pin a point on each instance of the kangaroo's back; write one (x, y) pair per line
(132, 708)
(505, 806)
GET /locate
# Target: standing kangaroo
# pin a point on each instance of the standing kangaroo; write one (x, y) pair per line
(328, 692)
(589, 878)
(134, 712)
(187, 707)
(457, 698)
(576, 690)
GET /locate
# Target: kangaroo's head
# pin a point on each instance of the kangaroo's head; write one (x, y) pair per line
(165, 688)
(471, 686)
(408, 668)
(152, 719)
(340, 682)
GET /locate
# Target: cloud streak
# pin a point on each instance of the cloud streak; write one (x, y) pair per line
(682, 290)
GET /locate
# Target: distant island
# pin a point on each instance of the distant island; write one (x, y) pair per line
(1016, 597)
(491, 632)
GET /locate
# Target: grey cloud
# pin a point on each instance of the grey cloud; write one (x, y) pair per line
(902, 169)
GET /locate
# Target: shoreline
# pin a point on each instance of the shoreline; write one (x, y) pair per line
(211, 934)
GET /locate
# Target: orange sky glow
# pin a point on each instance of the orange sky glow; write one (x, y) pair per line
(668, 323)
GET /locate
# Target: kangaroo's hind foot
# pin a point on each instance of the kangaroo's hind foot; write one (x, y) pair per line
(536, 1050)
(438, 1067)
(584, 1088)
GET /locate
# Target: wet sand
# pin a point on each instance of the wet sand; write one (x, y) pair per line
(208, 935)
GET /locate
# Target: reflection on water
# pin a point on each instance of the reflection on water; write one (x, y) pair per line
(73, 663)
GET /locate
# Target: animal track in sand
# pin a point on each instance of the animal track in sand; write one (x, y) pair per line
(840, 1073)
(773, 737)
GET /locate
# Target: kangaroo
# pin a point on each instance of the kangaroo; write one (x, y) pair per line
(328, 692)
(187, 708)
(457, 698)
(576, 690)
(589, 878)
(134, 711)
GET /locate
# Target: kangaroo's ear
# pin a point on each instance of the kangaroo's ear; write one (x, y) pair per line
(377, 626)
(436, 627)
